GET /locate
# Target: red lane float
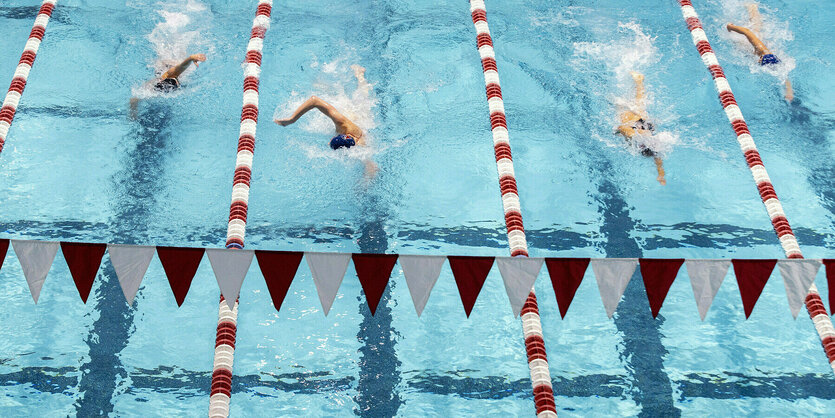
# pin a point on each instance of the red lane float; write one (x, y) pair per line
(24, 66)
(221, 390)
(814, 304)
(531, 323)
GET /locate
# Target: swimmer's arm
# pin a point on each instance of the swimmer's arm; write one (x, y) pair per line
(759, 46)
(756, 19)
(625, 131)
(659, 165)
(175, 72)
(315, 103)
(789, 91)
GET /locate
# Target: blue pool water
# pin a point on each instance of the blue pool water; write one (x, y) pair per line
(77, 168)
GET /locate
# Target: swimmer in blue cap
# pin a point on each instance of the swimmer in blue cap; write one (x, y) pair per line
(765, 54)
(348, 133)
(636, 123)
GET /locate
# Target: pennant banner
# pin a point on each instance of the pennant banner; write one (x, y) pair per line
(84, 261)
(373, 271)
(658, 275)
(518, 275)
(328, 270)
(613, 274)
(421, 272)
(230, 267)
(130, 262)
(830, 283)
(705, 277)
(470, 274)
(798, 276)
(180, 265)
(752, 275)
(278, 269)
(4, 248)
(566, 275)
(35, 259)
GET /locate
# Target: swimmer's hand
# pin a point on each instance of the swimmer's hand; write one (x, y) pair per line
(662, 180)
(197, 58)
(638, 77)
(283, 122)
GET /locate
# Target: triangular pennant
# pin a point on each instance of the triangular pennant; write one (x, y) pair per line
(35, 259)
(180, 265)
(706, 276)
(4, 248)
(230, 267)
(374, 271)
(798, 276)
(613, 274)
(328, 270)
(279, 268)
(130, 262)
(566, 275)
(84, 261)
(658, 275)
(752, 275)
(830, 282)
(470, 274)
(518, 275)
(421, 272)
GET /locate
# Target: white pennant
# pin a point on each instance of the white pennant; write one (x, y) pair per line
(421, 273)
(130, 262)
(705, 277)
(328, 269)
(519, 275)
(35, 259)
(230, 267)
(798, 276)
(613, 274)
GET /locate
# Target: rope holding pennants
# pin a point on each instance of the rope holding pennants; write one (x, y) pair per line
(279, 269)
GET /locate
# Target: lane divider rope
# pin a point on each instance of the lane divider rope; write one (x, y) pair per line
(531, 322)
(24, 66)
(814, 304)
(221, 390)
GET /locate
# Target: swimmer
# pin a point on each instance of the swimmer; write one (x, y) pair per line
(765, 54)
(348, 133)
(169, 80)
(637, 123)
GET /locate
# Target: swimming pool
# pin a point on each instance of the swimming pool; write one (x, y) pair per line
(76, 167)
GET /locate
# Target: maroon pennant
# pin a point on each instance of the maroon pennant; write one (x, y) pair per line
(374, 271)
(752, 275)
(180, 265)
(4, 247)
(470, 274)
(84, 261)
(830, 283)
(279, 269)
(659, 274)
(566, 276)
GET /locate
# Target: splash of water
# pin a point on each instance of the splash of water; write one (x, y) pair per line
(630, 50)
(177, 35)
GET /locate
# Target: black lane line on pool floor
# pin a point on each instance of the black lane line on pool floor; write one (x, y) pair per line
(141, 176)
(643, 351)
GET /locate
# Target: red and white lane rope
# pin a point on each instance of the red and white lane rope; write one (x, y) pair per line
(531, 323)
(814, 304)
(21, 74)
(236, 230)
